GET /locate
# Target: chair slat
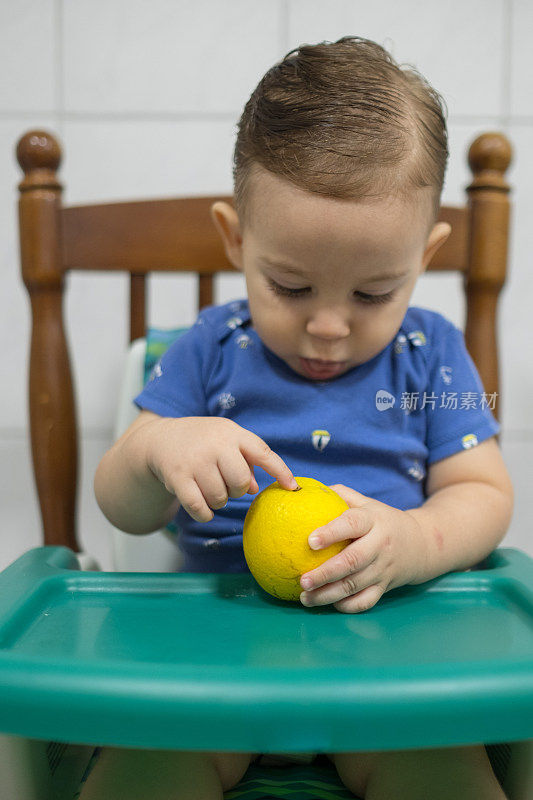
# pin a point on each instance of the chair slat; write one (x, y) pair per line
(137, 307)
(144, 236)
(453, 255)
(205, 290)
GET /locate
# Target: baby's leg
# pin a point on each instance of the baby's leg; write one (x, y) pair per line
(121, 774)
(438, 774)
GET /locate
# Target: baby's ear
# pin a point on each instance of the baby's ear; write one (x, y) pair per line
(437, 237)
(227, 224)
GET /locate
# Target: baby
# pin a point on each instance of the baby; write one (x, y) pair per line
(325, 371)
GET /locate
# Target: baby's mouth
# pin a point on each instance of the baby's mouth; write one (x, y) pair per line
(316, 368)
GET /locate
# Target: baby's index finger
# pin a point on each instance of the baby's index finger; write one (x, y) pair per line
(275, 466)
(284, 476)
(293, 485)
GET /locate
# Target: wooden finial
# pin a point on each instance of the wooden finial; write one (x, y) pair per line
(51, 401)
(39, 155)
(489, 158)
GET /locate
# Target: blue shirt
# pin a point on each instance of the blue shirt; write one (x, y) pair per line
(376, 428)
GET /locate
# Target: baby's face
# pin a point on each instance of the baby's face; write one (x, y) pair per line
(329, 281)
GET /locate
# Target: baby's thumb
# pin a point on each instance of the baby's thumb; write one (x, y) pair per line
(351, 496)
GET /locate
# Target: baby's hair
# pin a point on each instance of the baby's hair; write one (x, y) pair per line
(343, 119)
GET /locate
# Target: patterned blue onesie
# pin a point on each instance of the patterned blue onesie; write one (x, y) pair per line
(376, 428)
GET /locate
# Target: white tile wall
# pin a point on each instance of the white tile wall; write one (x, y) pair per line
(29, 43)
(166, 56)
(442, 39)
(145, 98)
(519, 61)
(126, 158)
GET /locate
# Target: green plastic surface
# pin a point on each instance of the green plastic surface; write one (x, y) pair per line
(211, 662)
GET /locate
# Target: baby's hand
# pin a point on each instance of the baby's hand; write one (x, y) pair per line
(205, 460)
(386, 548)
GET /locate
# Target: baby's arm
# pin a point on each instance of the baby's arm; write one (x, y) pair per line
(127, 491)
(198, 462)
(467, 511)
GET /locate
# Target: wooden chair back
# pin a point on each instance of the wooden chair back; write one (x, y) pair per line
(178, 235)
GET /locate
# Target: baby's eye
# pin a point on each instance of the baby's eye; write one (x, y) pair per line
(375, 298)
(284, 290)
(363, 297)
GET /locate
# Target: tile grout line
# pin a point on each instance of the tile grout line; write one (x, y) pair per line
(63, 116)
(284, 24)
(59, 93)
(506, 85)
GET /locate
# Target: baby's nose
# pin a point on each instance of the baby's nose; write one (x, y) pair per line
(328, 324)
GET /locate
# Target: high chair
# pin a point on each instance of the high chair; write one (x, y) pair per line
(209, 662)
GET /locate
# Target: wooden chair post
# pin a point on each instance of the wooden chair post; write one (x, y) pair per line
(137, 306)
(52, 409)
(489, 157)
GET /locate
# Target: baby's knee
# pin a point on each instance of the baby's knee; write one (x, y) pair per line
(354, 769)
(438, 772)
(231, 767)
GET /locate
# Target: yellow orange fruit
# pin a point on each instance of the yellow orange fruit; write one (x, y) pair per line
(276, 531)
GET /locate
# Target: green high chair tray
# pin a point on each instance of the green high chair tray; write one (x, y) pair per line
(211, 662)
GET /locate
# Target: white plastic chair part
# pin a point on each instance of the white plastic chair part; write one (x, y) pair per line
(131, 384)
(153, 552)
(88, 563)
